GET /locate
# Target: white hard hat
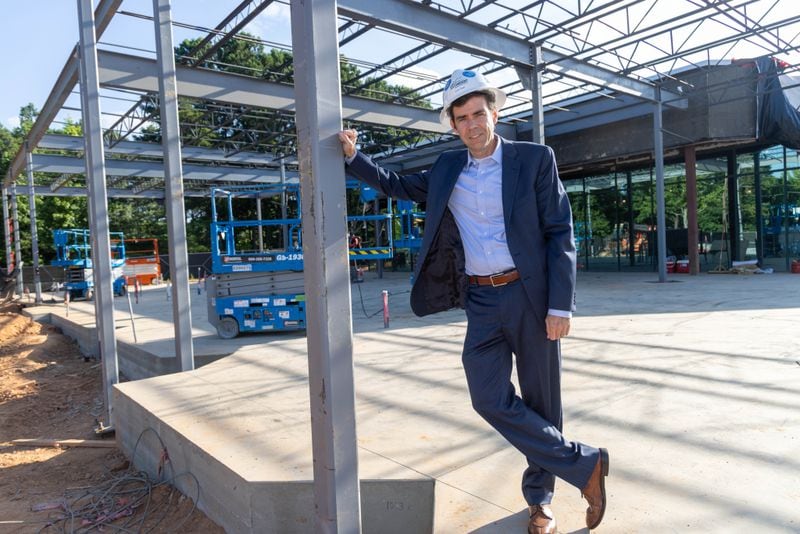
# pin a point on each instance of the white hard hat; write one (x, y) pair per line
(461, 83)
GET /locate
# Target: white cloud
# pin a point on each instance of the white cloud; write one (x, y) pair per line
(273, 24)
(12, 122)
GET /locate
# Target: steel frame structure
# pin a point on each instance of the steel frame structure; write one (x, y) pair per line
(566, 65)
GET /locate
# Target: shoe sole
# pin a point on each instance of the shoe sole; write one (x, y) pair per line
(604, 472)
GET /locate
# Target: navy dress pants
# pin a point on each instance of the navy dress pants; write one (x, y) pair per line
(501, 322)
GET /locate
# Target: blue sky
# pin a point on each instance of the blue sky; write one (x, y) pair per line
(38, 36)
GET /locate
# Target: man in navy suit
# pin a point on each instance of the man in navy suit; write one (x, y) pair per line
(498, 242)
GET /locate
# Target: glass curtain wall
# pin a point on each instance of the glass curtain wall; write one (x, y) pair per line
(712, 213)
(779, 172)
(615, 214)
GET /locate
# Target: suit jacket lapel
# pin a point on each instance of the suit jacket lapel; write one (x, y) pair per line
(442, 186)
(445, 184)
(511, 167)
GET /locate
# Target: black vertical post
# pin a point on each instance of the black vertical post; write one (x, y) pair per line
(631, 231)
(616, 222)
(785, 215)
(759, 207)
(733, 208)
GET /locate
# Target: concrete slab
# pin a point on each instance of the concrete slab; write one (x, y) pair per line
(694, 387)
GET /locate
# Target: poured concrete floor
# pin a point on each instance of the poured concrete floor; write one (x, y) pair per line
(693, 386)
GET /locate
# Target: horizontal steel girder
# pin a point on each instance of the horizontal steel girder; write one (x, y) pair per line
(111, 192)
(155, 150)
(140, 74)
(147, 169)
(414, 19)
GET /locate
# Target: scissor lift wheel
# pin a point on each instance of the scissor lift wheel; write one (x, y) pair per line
(228, 328)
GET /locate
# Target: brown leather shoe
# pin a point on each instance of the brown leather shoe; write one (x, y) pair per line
(595, 491)
(542, 519)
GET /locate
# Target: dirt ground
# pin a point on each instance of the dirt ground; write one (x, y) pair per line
(48, 390)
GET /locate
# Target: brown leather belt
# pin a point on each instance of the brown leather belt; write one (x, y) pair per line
(495, 280)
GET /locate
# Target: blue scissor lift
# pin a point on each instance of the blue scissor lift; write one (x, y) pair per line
(373, 232)
(74, 254)
(256, 283)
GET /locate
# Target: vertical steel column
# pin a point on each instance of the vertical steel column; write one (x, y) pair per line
(37, 278)
(284, 212)
(260, 228)
(173, 176)
(98, 202)
(658, 150)
(330, 329)
(537, 116)
(376, 210)
(17, 242)
(690, 161)
(7, 232)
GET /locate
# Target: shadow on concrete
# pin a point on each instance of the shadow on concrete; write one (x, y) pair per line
(516, 523)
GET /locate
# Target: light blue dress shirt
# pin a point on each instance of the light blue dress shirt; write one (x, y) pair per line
(477, 206)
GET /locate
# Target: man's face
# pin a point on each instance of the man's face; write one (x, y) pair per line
(474, 122)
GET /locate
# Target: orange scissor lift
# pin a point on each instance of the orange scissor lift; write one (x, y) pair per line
(142, 263)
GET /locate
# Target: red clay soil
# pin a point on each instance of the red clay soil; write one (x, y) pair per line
(48, 390)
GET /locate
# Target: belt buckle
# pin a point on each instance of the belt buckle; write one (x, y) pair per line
(498, 275)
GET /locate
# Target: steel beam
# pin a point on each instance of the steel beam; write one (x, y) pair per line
(418, 20)
(17, 242)
(330, 337)
(7, 232)
(661, 224)
(176, 214)
(532, 80)
(149, 169)
(123, 71)
(44, 191)
(37, 277)
(98, 203)
(156, 150)
(58, 95)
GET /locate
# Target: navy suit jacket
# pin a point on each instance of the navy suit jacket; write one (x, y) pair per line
(538, 223)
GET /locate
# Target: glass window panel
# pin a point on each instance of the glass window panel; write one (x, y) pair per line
(712, 212)
(602, 222)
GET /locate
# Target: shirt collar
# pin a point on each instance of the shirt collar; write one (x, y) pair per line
(497, 155)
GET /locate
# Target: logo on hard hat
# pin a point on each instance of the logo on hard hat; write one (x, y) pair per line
(459, 83)
(464, 82)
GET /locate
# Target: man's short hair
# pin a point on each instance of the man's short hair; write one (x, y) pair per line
(460, 101)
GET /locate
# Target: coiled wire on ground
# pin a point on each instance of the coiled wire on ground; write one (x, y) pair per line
(126, 502)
